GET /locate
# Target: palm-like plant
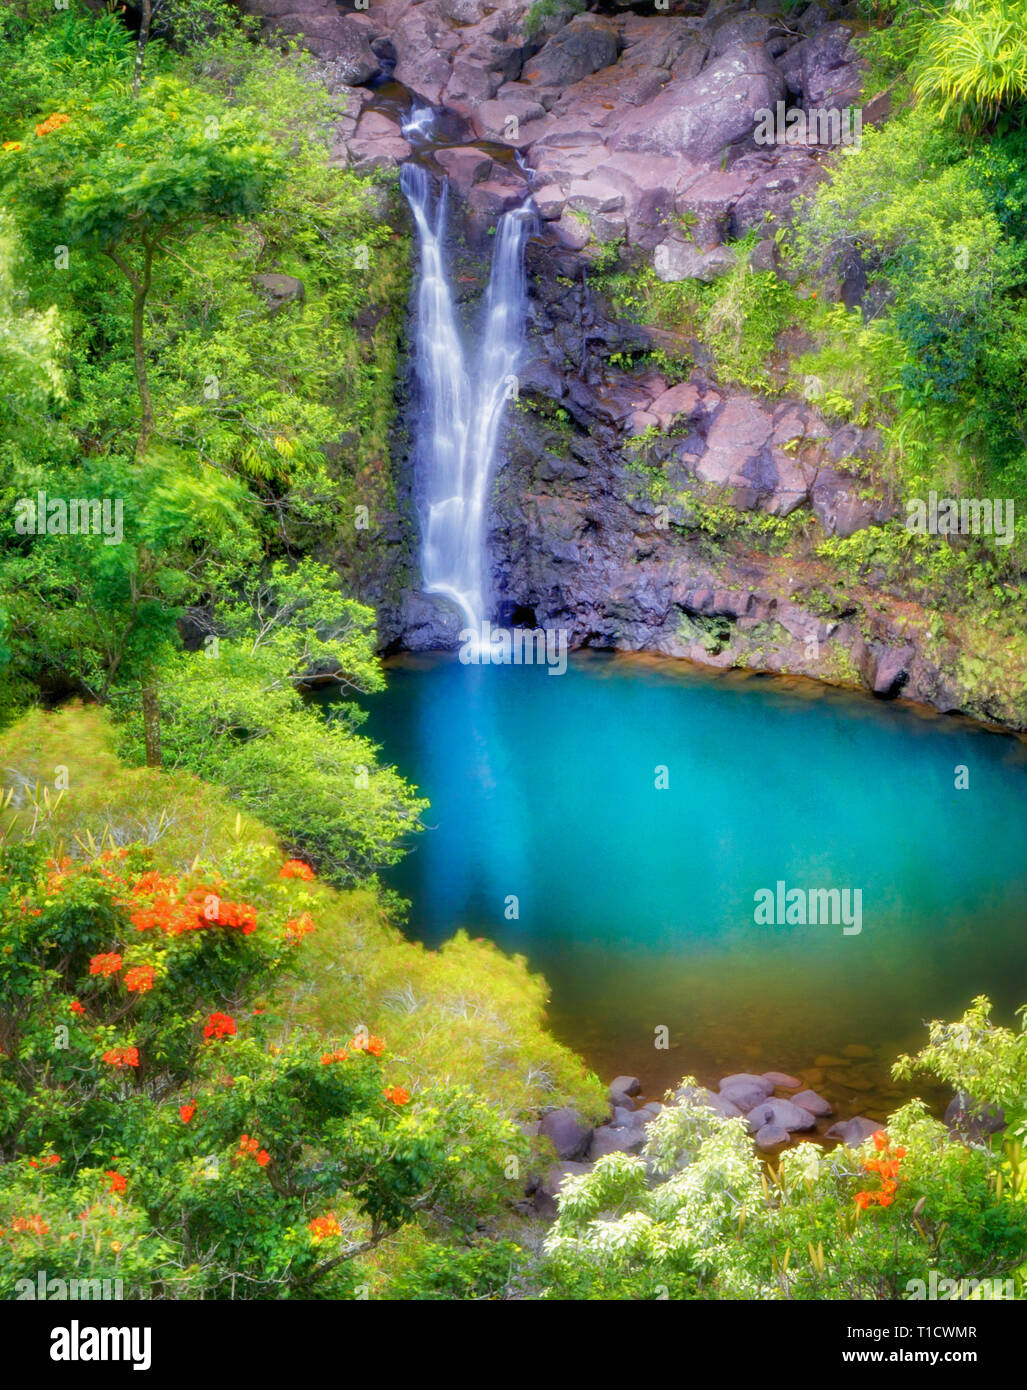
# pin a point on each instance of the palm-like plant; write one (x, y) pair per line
(975, 59)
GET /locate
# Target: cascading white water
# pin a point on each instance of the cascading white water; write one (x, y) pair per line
(461, 405)
(419, 122)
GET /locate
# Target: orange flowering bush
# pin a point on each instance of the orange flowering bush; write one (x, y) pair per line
(35, 1224)
(184, 1076)
(161, 905)
(249, 1148)
(296, 928)
(219, 1025)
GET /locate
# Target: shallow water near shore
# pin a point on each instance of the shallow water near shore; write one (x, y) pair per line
(637, 903)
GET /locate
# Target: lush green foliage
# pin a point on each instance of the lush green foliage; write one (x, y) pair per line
(938, 224)
(738, 317)
(979, 1057)
(265, 419)
(466, 1017)
(152, 372)
(232, 713)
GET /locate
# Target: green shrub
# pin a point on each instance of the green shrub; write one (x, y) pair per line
(974, 59)
(815, 1225)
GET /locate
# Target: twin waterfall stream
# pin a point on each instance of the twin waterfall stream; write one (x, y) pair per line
(464, 388)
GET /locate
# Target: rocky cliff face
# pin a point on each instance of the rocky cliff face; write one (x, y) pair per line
(612, 510)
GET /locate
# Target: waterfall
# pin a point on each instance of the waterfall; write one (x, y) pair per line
(461, 403)
(419, 122)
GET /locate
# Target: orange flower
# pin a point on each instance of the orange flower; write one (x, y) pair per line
(226, 914)
(186, 1112)
(52, 123)
(324, 1228)
(887, 1168)
(248, 1147)
(35, 1224)
(108, 963)
(139, 978)
(219, 1026)
(122, 1057)
(339, 1055)
(11, 145)
(295, 868)
(372, 1044)
(399, 1095)
(118, 1183)
(298, 927)
(76, 1007)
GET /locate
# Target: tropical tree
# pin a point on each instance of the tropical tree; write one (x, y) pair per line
(96, 610)
(126, 177)
(232, 711)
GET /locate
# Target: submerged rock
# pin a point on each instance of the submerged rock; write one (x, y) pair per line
(816, 1105)
(624, 1086)
(853, 1132)
(783, 1113)
(745, 1078)
(782, 1079)
(770, 1136)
